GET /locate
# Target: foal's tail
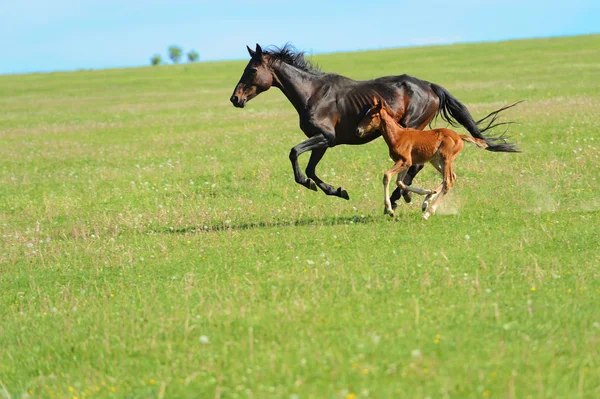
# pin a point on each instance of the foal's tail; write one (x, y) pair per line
(481, 143)
(451, 110)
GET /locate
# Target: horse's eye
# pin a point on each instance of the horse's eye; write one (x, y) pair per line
(252, 70)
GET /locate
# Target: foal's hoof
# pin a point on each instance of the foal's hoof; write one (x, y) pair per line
(426, 215)
(311, 184)
(426, 201)
(424, 205)
(388, 211)
(342, 193)
(407, 196)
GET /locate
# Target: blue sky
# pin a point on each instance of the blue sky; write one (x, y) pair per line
(43, 35)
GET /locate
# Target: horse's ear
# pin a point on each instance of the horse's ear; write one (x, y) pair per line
(258, 49)
(250, 51)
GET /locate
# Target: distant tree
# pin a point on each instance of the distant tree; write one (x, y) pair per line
(175, 53)
(156, 59)
(193, 56)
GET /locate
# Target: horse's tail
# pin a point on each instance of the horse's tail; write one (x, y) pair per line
(451, 110)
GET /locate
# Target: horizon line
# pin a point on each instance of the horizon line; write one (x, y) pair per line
(311, 54)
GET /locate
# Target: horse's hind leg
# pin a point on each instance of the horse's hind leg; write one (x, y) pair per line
(315, 157)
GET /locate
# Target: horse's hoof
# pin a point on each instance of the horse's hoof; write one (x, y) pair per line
(407, 196)
(394, 206)
(388, 211)
(342, 193)
(426, 215)
(311, 185)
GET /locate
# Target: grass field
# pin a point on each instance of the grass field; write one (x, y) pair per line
(153, 242)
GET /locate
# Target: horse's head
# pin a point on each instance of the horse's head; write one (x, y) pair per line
(372, 119)
(257, 77)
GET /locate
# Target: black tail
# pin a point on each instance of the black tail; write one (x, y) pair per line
(451, 110)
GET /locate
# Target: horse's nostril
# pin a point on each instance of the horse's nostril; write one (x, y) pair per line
(234, 99)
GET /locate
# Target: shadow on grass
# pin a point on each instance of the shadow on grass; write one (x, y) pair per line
(302, 221)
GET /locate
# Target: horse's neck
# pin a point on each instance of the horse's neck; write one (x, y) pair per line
(390, 130)
(297, 85)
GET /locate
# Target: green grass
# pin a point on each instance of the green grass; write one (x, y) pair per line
(153, 242)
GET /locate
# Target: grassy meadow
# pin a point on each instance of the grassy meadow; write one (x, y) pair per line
(154, 244)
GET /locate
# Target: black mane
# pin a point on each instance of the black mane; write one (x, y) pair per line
(290, 55)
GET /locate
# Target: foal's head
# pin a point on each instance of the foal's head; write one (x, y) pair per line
(257, 77)
(373, 118)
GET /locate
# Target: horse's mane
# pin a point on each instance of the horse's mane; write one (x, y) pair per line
(290, 55)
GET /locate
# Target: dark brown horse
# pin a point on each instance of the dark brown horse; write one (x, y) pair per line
(330, 107)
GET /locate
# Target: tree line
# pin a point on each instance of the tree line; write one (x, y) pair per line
(175, 53)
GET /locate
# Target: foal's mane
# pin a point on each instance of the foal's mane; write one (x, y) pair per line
(290, 55)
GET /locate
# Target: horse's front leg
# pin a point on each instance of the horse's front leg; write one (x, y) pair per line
(315, 157)
(317, 142)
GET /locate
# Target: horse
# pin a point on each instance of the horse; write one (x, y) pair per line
(330, 106)
(411, 146)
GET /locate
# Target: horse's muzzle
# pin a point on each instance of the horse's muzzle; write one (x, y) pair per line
(237, 102)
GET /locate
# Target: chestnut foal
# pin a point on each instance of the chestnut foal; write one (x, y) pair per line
(412, 147)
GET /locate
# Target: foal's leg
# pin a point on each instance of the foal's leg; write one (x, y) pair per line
(399, 179)
(447, 184)
(315, 157)
(438, 164)
(406, 188)
(418, 122)
(399, 167)
(408, 178)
